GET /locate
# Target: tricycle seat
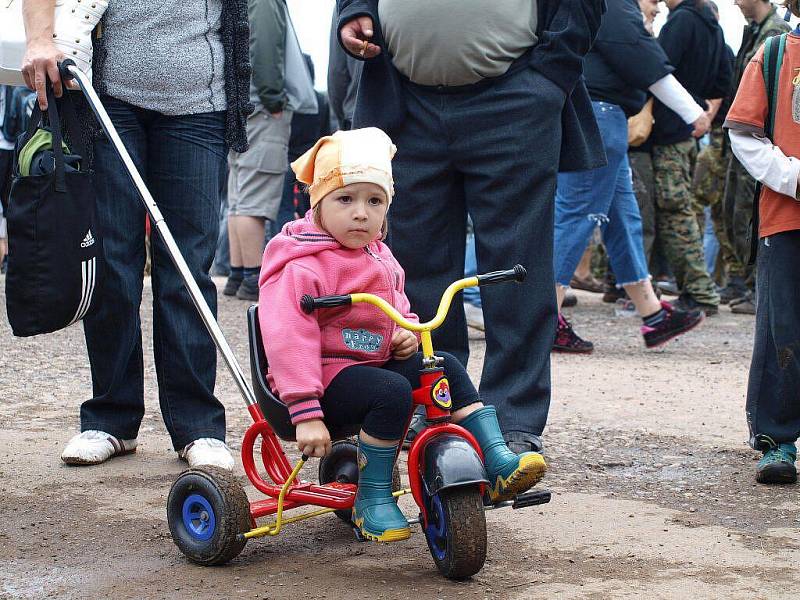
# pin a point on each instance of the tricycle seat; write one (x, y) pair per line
(275, 411)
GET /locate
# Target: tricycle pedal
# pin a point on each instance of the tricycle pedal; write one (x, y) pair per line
(533, 498)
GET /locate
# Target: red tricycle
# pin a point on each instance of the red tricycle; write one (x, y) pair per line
(209, 515)
(211, 519)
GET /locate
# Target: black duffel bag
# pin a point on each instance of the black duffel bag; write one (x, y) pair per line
(55, 256)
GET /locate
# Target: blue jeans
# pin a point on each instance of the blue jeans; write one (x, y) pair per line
(222, 256)
(773, 389)
(710, 242)
(181, 159)
(478, 150)
(603, 197)
(472, 294)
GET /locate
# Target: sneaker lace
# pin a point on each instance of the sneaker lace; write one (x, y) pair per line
(780, 453)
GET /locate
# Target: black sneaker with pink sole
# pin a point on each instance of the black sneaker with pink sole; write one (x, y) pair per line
(569, 341)
(675, 323)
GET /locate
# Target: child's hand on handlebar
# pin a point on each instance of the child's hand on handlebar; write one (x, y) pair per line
(313, 438)
(404, 344)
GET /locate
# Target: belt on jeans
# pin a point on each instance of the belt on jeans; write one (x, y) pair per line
(523, 62)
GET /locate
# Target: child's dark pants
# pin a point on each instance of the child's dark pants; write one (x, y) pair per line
(773, 394)
(379, 398)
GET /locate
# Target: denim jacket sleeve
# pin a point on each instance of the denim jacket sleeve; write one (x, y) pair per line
(567, 29)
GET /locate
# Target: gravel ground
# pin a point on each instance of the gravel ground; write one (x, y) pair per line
(653, 489)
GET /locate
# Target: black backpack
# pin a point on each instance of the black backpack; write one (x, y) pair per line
(55, 255)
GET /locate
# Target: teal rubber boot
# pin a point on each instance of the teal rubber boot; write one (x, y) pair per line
(777, 464)
(375, 511)
(509, 474)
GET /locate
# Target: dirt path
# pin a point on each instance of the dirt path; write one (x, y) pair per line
(652, 480)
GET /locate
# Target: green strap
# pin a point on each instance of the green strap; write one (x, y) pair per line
(771, 71)
(774, 49)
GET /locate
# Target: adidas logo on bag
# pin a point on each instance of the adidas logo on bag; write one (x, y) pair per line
(88, 240)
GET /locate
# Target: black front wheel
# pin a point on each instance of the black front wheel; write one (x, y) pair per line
(456, 531)
(207, 509)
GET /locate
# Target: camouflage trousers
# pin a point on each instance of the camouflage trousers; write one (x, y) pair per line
(676, 221)
(643, 186)
(708, 185)
(737, 212)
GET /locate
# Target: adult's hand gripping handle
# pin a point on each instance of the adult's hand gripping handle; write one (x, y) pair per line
(309, 304)
(518, 274)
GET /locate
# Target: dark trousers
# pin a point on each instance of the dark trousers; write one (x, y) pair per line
(490, 151)
(181, 160)
(643, 186)
(379, 398)
(773, 391)
(6, 168)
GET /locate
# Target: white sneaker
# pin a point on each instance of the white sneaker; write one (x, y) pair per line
(93, 447)
(72, 29)
(474, 316)
(207, 451)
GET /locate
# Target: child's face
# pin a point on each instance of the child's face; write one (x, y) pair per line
(354, 214)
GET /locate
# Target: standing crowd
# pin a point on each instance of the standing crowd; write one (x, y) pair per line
(544, 127)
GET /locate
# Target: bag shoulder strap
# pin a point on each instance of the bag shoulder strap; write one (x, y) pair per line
(774, 49)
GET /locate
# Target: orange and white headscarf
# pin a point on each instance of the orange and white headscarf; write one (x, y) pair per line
(355, 156)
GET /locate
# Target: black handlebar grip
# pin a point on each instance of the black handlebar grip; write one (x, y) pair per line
(309, 304)
(518, 274)
(66, 74)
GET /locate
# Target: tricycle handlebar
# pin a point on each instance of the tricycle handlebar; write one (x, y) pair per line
(309, 304)
(518, 274)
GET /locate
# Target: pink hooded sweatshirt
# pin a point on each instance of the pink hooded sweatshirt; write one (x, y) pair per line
(305, 352)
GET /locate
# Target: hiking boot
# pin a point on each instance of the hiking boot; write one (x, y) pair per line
(570, 300)
(248, 290)
(375, 511)
(587, 284)
(777, 465)
(232, 285)
(207, 452)
(675, 323)
(686, 303)
(569, 341)
(734, 290)
(93, 447)
(509, 474)
(668, 287)
(745, 305)
(612, 293)
(519, 442)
